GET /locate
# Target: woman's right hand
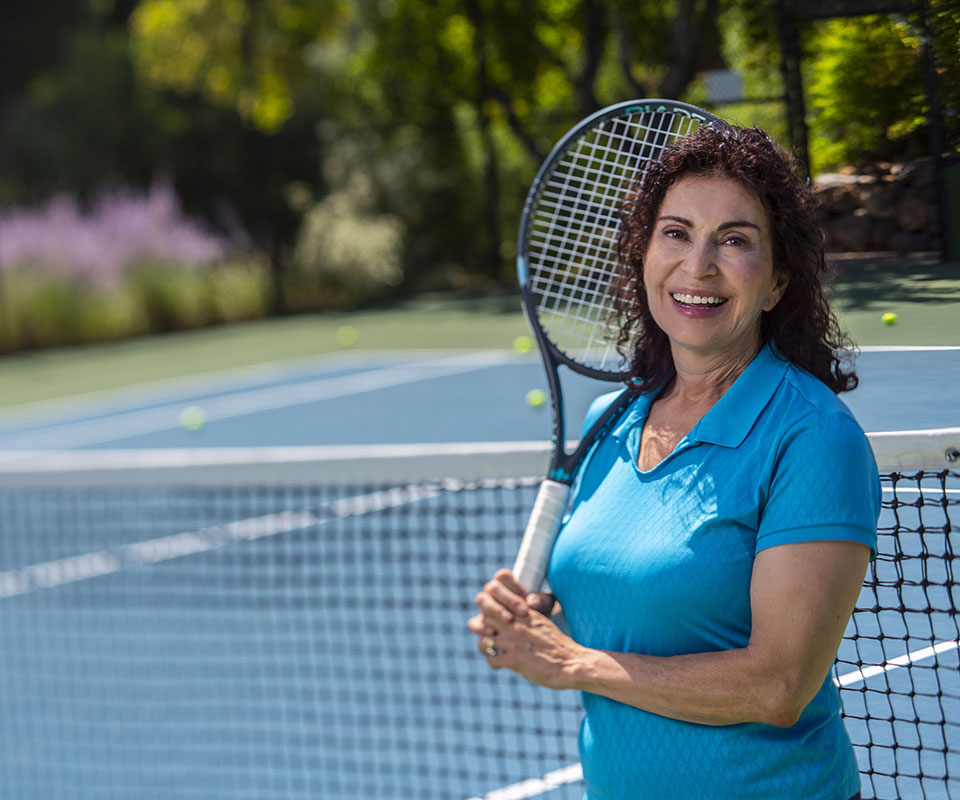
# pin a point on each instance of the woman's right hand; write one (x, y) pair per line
(502, 600)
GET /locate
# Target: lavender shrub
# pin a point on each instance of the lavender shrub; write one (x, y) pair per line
(120, 229)
(127, 264)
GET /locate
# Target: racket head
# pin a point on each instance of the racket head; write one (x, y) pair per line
(567, 246)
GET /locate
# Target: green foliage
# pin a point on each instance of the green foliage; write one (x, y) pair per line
(88, 122)
(346, 253)
(866, 91)
(244, 55)
(749, 48)
(42, 309)
(863, 76)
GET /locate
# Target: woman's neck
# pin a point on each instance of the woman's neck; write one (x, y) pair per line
(701, 380)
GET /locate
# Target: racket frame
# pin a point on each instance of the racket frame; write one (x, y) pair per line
(563, 465)
(550, 505)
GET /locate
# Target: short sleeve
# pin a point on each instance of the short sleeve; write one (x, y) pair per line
(823, 485)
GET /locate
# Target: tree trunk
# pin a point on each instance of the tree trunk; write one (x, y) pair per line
(491, 178)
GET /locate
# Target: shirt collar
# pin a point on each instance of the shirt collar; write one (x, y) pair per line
(733, 415)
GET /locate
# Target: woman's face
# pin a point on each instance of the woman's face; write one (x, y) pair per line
(708, 269)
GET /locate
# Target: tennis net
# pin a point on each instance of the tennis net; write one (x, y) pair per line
(290, 623)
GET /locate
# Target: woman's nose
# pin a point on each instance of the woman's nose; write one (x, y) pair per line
(701, 260)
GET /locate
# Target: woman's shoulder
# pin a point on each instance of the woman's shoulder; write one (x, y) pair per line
(598, 406)
(809, 417)
(810, 395)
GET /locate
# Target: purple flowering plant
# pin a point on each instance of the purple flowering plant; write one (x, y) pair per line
(118, 230)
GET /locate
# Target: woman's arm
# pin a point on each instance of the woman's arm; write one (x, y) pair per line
(801, 599)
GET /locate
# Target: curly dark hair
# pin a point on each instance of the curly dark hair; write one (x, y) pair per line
(801, 325)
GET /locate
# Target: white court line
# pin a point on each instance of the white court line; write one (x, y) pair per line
(534, 787)
(905, 348)
(861, 674)
(153, 551)
(101, 402)
(135, 423)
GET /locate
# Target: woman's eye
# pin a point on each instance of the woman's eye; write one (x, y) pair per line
(737, 241)
(674, 233)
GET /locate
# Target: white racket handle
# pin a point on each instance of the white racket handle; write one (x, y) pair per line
(530, 568)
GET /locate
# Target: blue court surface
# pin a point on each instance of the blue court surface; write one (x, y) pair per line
(264, 668)
(370, 398)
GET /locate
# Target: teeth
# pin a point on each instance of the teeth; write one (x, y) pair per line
(697, 300)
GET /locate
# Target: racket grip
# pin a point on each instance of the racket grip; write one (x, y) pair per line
(530, 568)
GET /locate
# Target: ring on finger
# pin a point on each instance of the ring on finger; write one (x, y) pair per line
(488, 647)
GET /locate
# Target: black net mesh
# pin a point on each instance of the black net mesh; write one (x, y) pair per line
(258, 642)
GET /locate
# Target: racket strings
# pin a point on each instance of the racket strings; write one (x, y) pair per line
(572, 239)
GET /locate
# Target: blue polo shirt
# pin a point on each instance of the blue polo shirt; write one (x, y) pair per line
(659, 562)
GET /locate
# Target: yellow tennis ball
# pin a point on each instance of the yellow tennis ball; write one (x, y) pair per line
(889, 318)
(346, 336)
(536, 398)
(523, 344)
(192, 418)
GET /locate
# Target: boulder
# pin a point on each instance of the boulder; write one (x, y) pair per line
(884, 207)
(914, 214)
(849, 233)
(880, 200)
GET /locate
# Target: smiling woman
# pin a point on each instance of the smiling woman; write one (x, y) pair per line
(703, 591)
(784, 213)
(709, 274)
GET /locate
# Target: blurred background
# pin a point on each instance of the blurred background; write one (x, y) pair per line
(169, 165)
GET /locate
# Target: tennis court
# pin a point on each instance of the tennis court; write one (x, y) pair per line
(225, 613)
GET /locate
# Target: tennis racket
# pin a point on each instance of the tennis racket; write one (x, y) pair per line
(567, 267)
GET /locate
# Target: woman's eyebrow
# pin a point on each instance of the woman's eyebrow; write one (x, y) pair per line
(737, 223)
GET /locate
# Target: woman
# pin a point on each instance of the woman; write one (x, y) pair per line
(719, 535)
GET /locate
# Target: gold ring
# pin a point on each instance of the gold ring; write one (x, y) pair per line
(489, 648)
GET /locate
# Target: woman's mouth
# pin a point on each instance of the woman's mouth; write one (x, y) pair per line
(697, 300)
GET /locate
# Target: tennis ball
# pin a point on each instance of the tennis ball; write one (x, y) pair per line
(889, 318)
(193, 418)
(346, 336)
(523, 344)
(536, 398)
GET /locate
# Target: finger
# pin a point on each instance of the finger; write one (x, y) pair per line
(506, 591)
(478, 626)
(542, 602)
(507, 578)
(492, 610)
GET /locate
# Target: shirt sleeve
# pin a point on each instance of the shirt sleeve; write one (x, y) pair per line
(824, 486)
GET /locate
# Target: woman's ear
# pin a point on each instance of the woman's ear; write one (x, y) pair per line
(777, 291)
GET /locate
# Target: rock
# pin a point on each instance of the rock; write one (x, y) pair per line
(880, 232)
(880, 200)
(884, 207)
(914, 214)
(918, 173)
(838, 199)
(833, 179)
(848, 233)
